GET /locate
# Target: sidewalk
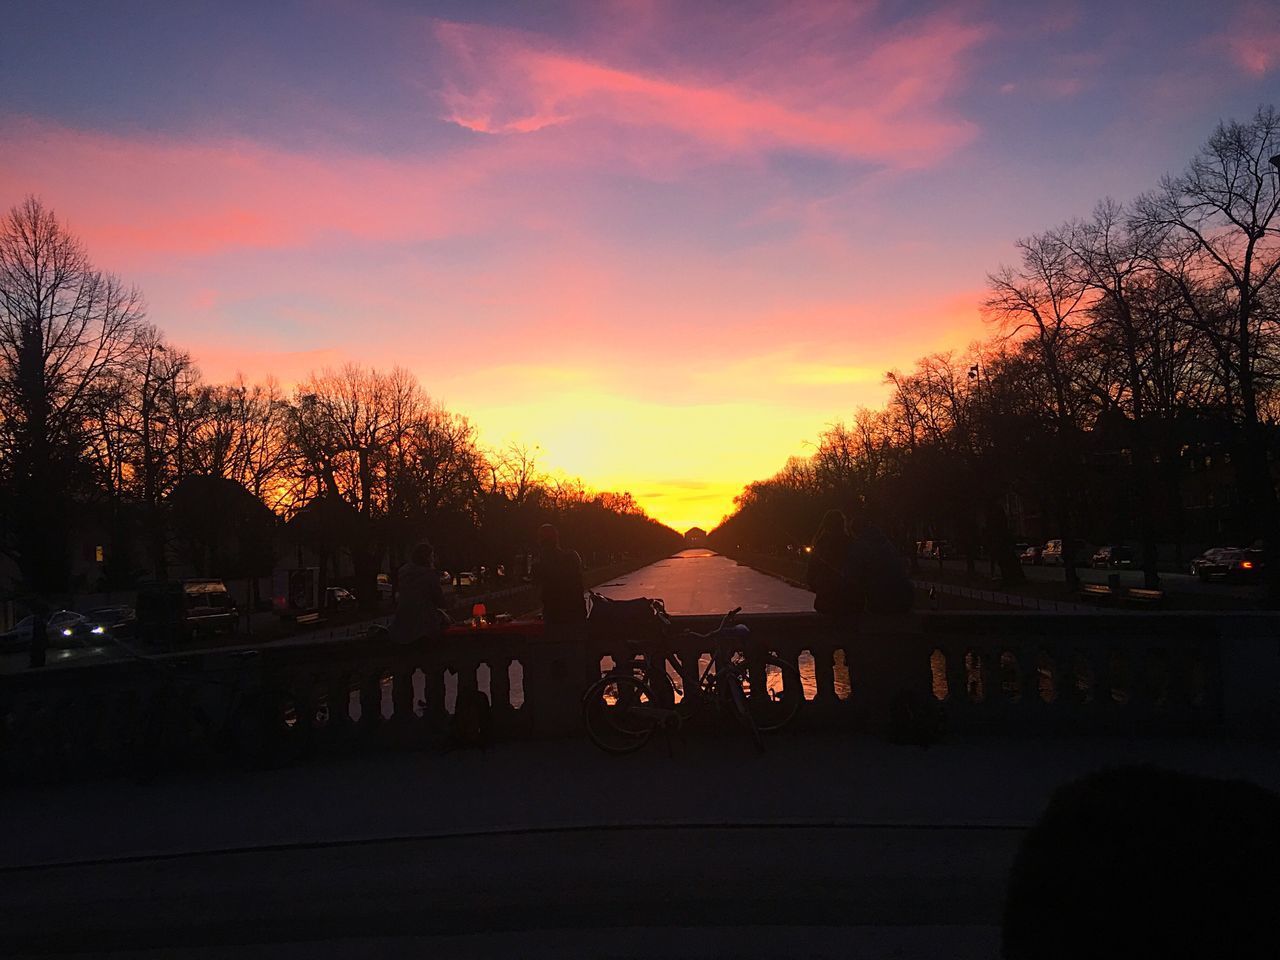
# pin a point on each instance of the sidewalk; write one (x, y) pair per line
(548, 785)
(826, 846)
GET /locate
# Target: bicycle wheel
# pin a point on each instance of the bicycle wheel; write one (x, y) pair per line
(618, 713)
(656, 678)
(778, 703)
(735, 683)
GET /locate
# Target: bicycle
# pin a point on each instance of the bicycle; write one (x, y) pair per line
(626, 706)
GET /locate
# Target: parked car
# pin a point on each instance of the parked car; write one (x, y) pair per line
(339, 598)
(467, 579)
(1032, 554)
(118, 621)
(173, 611)
(63, 628)
(1230, 564)
(1210, 557)
(938, 550)
(1054, 550)
(1113, 557)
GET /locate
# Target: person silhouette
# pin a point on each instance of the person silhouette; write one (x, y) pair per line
(559, 571)
(418, 598)
(1137, 861)
(828, 575)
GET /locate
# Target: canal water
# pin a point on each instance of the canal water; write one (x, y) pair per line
(700, 581)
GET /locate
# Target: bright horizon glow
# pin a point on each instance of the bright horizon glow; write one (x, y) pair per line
(666, 244)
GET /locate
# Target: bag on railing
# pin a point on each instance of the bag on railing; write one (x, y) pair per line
(635, 620)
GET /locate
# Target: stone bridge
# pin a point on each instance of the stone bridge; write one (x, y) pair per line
(1007, 673)
(346, 826)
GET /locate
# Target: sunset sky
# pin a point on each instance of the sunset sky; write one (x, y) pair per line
(665, 242)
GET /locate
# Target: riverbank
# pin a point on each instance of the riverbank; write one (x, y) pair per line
(953, 587)
(792, 571)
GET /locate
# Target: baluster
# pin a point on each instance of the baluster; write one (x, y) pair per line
(301, 690)
(434, 715)
(957, 695)
(824, 671)
(371, 700)
(403, 716)
(338, 695)
(500, 687)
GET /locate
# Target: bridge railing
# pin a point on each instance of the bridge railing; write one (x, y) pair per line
(1008, 673)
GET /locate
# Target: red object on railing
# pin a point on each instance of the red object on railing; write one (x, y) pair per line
(528, 628)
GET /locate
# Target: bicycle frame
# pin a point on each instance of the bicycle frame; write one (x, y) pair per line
(718, 663)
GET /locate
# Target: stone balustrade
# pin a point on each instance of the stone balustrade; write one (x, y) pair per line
(1006, 673)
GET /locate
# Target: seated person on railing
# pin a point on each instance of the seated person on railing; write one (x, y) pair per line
(828, 575)
(877, 572)
(559, 571)
(855, 569)
(418, 598)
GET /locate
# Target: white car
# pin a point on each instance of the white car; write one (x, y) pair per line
(64, 628)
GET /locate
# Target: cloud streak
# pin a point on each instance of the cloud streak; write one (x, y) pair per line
(883, 104)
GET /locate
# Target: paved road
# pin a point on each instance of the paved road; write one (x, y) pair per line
(700, 581)
(1170, 582)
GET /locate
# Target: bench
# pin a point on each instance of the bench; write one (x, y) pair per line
(312, 619)
(1143, 595)
(1096, 590)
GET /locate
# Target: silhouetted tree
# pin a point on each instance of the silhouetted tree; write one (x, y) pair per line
(65, 328)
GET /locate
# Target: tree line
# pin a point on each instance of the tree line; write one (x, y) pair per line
(107, 424)
(1128, 392)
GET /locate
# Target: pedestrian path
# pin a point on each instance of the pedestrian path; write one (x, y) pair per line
(839, 846)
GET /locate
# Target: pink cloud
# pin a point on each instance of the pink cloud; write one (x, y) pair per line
(1249, 41)
(145, 196)
(880, 101)
(1253, 40)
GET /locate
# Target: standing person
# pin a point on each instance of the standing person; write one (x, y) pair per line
(418, 598)
(828, 567)
(877, 571)
(559, 571)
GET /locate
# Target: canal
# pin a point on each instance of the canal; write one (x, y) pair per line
(704, 582)
(691, 582)
(701, 581)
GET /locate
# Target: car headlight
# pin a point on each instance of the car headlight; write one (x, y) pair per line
(99, 630)
(66, 631)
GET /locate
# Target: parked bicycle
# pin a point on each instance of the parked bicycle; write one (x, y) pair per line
(627, 705)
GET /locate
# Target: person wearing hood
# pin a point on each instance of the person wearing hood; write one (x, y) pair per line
(828, 574)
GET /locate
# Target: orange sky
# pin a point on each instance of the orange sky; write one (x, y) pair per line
(666, 243)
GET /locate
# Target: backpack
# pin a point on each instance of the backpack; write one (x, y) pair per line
(916, 719)
(634, 620)
(472, 722)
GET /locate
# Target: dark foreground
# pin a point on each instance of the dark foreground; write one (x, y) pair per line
(825, 846)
